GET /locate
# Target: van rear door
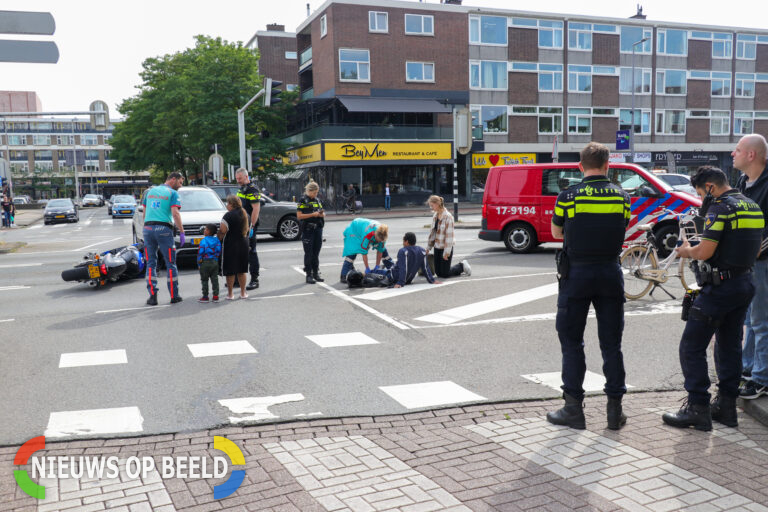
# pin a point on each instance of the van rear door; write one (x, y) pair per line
(553, 181)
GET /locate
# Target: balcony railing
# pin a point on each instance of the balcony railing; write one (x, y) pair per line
(308, 94)
(367, 132)
(305, 56)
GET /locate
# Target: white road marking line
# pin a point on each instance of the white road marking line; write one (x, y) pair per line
(97, 243)
(388, 293)
(609, 468)
(452, 315)
(280, 296)
(113, 222)
(120, 420)
(96, 358)
(7, 288)
(364, 307)
(592, 381)
(257, 408)
(21, 265)
(7, 320)
(133, 309)
(304, 415)
(36, 226)
(430, 394)
(342, 339)
(88, 222)
(221, 348)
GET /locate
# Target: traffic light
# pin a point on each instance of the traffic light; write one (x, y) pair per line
(272, 93)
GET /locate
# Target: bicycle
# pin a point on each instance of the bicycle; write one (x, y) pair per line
(342, 205)
(643, 272)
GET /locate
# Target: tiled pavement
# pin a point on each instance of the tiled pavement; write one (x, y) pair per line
(484, 457)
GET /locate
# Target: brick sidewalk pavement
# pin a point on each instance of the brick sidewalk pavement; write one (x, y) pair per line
(502, 457)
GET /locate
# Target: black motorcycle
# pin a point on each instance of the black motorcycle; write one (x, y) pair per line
(97, 269)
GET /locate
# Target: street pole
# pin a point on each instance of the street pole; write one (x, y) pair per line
(74, 162)
(632, 130)
(241, 125)
(455, 171)
(8, 158)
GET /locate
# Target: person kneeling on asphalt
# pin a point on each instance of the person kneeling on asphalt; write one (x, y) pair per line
(410, 260)
(361, 236)
(441, 239)
(724, 257)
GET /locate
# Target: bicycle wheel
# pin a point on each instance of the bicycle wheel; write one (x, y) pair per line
(686, 275)
(634, 260)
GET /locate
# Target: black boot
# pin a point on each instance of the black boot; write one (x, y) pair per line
(316, 277)
(723, 410)
(690, 415)
(572, 415)
(152, 300)
(616, 418)
(253, 284)
(310, 279)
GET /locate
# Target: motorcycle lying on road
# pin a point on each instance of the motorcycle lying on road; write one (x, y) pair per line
(97, 269)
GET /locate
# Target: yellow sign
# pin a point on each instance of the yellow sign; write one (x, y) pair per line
(387, 151)
(101, 182)
(488, 160)
(303, 155)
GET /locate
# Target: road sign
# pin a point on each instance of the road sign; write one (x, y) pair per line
(216, 166)
(20, 22)
(463, 131)
(622, 139)
(36, 52)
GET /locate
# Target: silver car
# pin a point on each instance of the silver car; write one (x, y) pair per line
(276, 218)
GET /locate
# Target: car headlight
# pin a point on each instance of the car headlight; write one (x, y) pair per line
(70, 211)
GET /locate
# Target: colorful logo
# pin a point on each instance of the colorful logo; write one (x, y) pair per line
(22, 477)
(236, 458)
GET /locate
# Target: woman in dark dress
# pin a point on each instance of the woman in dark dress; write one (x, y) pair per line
(234, 230)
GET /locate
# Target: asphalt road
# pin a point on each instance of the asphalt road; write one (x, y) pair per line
(478, 337)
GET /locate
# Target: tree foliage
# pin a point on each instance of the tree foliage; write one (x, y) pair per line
(188, 101)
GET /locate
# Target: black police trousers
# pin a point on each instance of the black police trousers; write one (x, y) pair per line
(253, 257)
(312, 240)
(718, 310)
(602, 285)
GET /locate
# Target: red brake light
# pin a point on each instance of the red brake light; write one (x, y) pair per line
(484, 210)
(103, 269)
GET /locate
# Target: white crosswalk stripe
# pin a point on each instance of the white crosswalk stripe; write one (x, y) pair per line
(120, 420)
(430, 394)
(344, 339)
(592, 381)
(96, 358)
(221, 348)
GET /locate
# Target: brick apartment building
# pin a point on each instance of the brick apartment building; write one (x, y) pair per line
(278, 54)
(380, 78)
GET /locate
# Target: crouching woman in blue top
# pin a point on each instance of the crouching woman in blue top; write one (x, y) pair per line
(361, 236)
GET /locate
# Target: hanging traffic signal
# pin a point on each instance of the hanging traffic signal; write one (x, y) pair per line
(272, 93)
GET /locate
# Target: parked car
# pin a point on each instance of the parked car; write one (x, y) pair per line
(42, 201)
(519, 201)
(91, 200)
(681, 182)
(123, 206)
(199, 206)
(21, 200)
(276, 218)
(109, 203)
(60, 210)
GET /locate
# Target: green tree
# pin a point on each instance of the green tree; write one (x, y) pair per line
(188, 101)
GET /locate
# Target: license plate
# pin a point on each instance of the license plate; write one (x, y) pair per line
(125, 211)
(60, 216)
(196, 241)
(94, 271)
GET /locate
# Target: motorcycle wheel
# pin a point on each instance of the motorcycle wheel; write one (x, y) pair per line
(75, 274)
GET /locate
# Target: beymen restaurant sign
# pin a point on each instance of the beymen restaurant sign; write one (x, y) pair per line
(488, 160)
(387, 151)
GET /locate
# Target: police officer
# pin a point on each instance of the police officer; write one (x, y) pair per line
(312, 218)
(728, 249)
(591, 217)
(251, 198)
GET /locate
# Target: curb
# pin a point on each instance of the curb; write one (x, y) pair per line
(758, 409)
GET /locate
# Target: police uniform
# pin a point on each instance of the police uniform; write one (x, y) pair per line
(249, 195)
(311, 234)
(594, 215)
(735, 223)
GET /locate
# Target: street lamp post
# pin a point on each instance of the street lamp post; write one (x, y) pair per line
(632, 131)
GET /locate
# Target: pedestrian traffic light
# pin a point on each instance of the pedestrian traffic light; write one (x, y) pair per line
(272, 93)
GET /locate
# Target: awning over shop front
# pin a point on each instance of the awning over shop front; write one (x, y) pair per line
(373, 104)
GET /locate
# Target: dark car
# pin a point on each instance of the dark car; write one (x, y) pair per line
(60, 210)
(276, 218)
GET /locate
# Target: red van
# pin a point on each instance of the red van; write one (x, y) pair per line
(519, 200)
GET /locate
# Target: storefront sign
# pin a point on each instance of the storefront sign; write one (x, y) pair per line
(686, 157)
(303, 155)
(618, 158)
(388, 151)
(488, 160)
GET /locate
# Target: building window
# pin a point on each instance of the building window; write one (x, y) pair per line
(419, 72)
(672, 42)
(550, 120)
(290, 55)
(630, 35)
(43, 155)
(722, 46)
(65, 140)
(17, 155)
(17, 140)
(720, 123)
(42, 127)
(493, 118)
(550, 34)
(721, 84)
(378, 21)
(41, 140)
(580, 121)
(579, 79)
(488, 30)
(323, 25)
(580, 36)
(642, 80)
(89, 140)
(745, 85)
(419, 24)
(354, 65)
(488, 74)
(746, 47)
(642, 123)
(671, 81)
(743, 123)
(550, 77)
(670, 122)
(288, 87)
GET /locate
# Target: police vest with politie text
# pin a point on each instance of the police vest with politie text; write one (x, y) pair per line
(308, 206)
(249, 195)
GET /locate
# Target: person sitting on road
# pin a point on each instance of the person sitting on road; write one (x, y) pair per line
(411, 259)
(208, 256)
(361, 236)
